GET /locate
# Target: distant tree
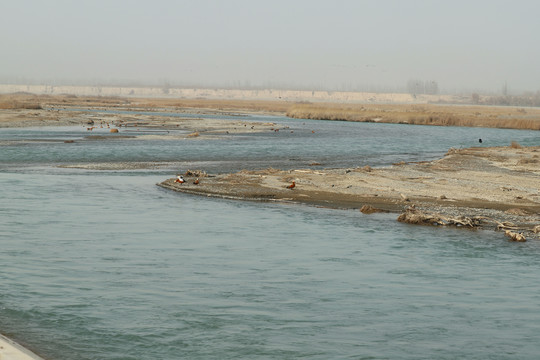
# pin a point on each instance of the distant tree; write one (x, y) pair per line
(431, 87)
(475, 98)
(416, 86)
(166, 88)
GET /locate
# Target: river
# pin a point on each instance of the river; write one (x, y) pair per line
(103, 264)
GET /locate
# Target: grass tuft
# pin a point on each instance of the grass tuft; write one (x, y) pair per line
(515, 145)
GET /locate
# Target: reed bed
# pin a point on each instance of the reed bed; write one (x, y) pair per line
(15, 101)
(425, 114)
(506, 117)
(31, 101)
(269, 106)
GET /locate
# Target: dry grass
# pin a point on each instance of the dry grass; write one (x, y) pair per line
(63, 100)
(32, 101)
(20, 101)
(415, 114)
(515, 145)
(214, 104)
(428, 114)
(26, 100)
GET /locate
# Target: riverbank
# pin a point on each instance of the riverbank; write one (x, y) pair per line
(47, 110)
(498, 183)
(492, 188)
(10, 350)
(423, 114)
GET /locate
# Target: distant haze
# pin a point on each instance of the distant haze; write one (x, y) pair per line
(377, 45)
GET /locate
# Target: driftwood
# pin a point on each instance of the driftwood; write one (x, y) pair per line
(515, 236)
(195, 173)
(506, 225)
(368, 209)
(415, 216)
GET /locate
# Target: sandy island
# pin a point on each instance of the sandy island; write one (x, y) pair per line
(492, 188)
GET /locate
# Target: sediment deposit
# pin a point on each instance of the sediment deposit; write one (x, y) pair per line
(501, 185)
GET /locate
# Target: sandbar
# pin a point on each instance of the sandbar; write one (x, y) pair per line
(499, 187)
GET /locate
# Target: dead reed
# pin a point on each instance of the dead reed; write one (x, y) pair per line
(20, 101)
(515, 145)
(416, 114)
(426, 114)
(214, 104)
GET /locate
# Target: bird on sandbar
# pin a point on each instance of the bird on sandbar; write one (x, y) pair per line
(291, 186)
(196, 182)
(180, 179)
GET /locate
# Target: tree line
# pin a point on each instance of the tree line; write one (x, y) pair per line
(428, 87)
(526, 99)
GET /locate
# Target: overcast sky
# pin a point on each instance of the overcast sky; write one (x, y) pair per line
(461, 44)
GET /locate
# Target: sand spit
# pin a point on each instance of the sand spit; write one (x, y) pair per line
(10, 350)
(103, 126)
(495, 188)
(109, 126)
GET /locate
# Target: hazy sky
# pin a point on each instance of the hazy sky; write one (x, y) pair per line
(348, 44)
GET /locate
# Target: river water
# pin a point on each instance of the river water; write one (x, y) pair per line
(103, 264)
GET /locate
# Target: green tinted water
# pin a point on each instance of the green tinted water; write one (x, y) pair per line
(106, 265)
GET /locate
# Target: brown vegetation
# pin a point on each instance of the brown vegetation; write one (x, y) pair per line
(214, 104)
(414, 114)
(24, 100)
(32, 101)
(20, 101)
(515, 145)
(425, 114)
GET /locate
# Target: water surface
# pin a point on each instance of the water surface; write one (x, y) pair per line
(106, 265)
